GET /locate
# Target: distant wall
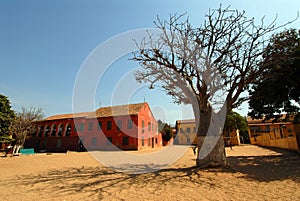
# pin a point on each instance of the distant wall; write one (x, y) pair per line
(282, 135)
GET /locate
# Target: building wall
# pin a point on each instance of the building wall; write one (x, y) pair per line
(54, 136)
(233, 139)
(114, 130)
(148, 136)
(281, 135)
(128, 132)
(186, 133)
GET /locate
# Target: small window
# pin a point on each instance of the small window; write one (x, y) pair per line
(119, 124)
(188, 140)
(109, 125)
(181, 130)
(109, 140)
(143, 126)
(90, 127)
(188, 130)
(59, 143)
(100, 125)
(149, 126)
(94, 141)
(125, 140)
(81, 127)
(129, 124)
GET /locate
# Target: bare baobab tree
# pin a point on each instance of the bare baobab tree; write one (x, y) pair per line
(204, 65)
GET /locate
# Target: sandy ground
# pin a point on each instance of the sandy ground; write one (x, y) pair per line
(253, 173)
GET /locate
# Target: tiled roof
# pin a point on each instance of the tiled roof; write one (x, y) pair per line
(131, 109)
(283, 118)
(185, 121)
(119, 110)
(69, 116)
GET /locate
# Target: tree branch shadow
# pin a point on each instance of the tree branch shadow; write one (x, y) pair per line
(102, 181)
(267, 168)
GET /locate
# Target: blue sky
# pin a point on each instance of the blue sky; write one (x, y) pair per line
(43, 44)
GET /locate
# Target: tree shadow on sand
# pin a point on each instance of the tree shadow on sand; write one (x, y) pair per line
(285, 165)
(102, 181)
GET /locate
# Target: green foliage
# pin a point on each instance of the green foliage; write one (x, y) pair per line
(279, 86)
(236, 121)
(6, 116)
(6, 139)
(166, 130)
(17, 124)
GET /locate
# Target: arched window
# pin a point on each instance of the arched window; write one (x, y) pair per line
(68, 129)
(34, 131)
(53, 130)
(47, 131)
(60, 130)
(41, 131)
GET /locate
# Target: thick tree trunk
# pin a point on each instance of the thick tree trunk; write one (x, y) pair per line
(211, 152)
(211, 149)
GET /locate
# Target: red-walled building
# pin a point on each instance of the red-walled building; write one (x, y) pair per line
(128, 127)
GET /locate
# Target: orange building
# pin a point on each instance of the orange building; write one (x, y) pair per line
(274, 134)
(127, 127)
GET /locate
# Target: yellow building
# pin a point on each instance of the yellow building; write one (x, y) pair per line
(280, 134)
(233, 138)
(186, 134)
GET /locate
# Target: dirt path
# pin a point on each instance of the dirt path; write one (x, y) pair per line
(253, 173)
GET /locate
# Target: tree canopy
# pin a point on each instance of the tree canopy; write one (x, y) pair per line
(236, 121)
(166, 130)
(6, 116)
(277, 91)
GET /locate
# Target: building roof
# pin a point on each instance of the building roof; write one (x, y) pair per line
(185, 121)
(283, 118)
(69, 116)
(120, 110)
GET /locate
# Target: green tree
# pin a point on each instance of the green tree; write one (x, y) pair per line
(6, 116)
(166, 130)
(236, 121)
(278, 89)
(194, 65)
